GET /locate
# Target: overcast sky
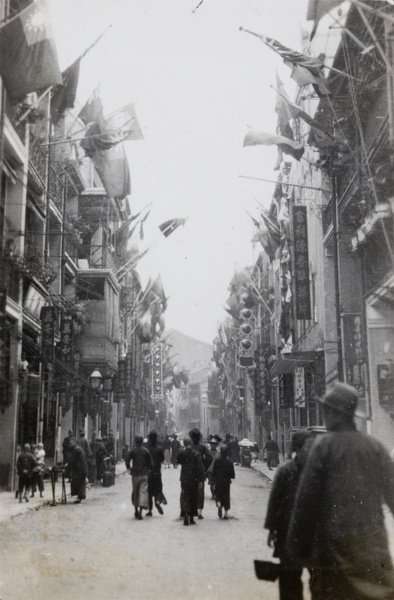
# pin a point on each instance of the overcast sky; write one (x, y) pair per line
(198, 84)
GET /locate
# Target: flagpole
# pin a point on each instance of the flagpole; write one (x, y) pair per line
(127, 264)
(36, 103)
(6, 22)
(86, 137)
(308, 187)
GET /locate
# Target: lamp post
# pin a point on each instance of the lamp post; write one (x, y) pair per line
(95, 380)
(157, 412)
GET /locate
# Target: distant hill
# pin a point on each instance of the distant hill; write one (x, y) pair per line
(187, 352)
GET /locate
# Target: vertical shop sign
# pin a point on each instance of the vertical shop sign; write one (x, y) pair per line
(4, 387)
(286, 390)
(354, 352)
(48, 321)
(66, 339)
(120, 387)
(301, 263)
(299, 387)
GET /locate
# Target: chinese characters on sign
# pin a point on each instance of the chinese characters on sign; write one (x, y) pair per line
(354, 353)
(66, 339)
(299, 387)
(301, 263)
(48, 322)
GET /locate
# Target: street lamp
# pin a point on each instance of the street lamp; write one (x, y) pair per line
(157, 412)
(95, 380)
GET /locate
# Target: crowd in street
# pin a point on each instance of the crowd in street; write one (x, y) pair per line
(325, 510)
(30, 468)
(199, 462)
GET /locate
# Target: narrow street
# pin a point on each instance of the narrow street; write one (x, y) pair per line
(97, 549)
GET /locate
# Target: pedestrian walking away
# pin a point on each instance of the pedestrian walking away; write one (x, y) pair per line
(233, 448)
(139, 461)
(25, 466)
(192, 472)
(101, 455)
(279, 510)
(175, 448)
(206, 457)
(167, 451)
(76, 469)
(272, 449)
(155, 483)
(337, 525)
(222, 474)
(66, 445)
(84, 445)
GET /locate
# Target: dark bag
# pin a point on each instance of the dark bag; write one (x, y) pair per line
(108, 479)
(267, 570)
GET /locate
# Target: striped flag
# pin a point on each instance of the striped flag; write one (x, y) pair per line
(305, 69)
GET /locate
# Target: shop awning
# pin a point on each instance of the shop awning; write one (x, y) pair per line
(287, 364)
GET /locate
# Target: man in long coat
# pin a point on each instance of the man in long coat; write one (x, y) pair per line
(338, 523)
(25, 466)
(192, 472)
(76, 470)
(272, 450)
(279, 510)
(175, 449)
(155, 482)
(206, 457)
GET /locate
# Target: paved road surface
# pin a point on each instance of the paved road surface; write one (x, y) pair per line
(98, 550)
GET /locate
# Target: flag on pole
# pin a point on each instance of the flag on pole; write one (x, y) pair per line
(124, 121)
(106, 133)
(141, 222)
(283, 110)
(169, 226)
(92, 111)
(271, 224)
(319, 133)
(64, 95)
(269, 243)
(288, 146)
(113, 168)
(28, 56)
(305, 69)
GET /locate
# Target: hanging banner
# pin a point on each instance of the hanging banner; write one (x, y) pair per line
(286, 390)
(354, 351)
(66, 339)
(5, 397)
(301, 264)
(120, 381)
(48, 324)
(299, 387)
(157, 374)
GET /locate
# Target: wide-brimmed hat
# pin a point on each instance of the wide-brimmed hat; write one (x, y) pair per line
(342, 398)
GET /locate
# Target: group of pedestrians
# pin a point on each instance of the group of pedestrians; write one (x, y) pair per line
(171, 448)
(30, 467)
(197, 462)
(325, 511)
